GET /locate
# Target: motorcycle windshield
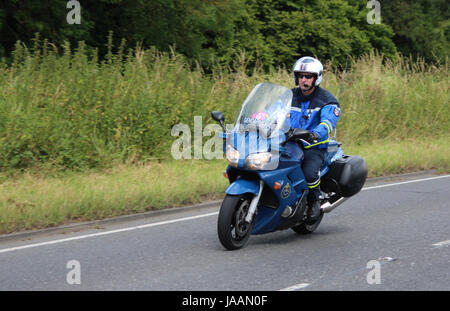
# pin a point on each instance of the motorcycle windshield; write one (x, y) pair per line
(265, 110)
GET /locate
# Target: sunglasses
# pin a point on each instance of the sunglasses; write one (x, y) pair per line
(301, 76)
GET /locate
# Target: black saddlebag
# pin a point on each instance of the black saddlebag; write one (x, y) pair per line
(346, 176)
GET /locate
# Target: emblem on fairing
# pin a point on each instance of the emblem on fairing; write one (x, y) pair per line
(286, 191)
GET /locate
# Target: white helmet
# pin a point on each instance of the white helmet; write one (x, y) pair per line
(310, 65)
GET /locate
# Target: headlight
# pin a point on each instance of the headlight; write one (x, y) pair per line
(257, 161)
(232, 156)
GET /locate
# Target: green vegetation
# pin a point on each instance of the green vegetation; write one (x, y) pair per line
(42, 199)
(275, 32)
(75, 112)
(421, 28)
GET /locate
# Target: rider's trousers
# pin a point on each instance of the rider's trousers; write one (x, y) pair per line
(312, 162)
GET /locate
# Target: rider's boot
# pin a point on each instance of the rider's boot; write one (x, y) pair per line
(314, 212)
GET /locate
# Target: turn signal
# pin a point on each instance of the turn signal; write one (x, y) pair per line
(225, 174)
(276, 186)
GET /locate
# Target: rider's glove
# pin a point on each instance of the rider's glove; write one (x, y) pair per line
(313, 137)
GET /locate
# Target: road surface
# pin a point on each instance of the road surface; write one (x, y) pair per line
(393, 235)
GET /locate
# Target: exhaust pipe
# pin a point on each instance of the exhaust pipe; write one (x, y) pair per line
(328, 207)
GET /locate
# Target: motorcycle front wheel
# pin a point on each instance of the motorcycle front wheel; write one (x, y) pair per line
(232, 228)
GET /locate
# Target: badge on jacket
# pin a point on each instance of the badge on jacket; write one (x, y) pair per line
(336, 112)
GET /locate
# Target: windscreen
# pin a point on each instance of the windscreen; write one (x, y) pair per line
(265, 110)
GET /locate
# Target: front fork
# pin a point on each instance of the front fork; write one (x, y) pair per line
(254, 204)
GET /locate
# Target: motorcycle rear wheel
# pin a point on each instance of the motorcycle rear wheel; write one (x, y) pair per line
(308, 229)
(232, 229)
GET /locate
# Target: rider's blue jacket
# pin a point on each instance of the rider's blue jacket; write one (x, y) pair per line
(318, 112)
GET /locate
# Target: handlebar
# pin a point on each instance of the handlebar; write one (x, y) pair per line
(296, 134)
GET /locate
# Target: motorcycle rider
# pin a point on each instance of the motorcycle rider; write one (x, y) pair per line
(317, 110)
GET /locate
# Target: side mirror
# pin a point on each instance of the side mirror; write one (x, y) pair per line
(218, 116)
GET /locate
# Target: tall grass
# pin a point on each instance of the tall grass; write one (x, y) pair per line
(63, 107)
(73, 111)
(39, 200)
(392, 101)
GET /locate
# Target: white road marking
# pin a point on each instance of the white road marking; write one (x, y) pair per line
(105, 233)
(294, 287)
(170, 221)
(442, 244)
(404, 182)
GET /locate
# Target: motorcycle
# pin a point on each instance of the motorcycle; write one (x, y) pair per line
(268, 191)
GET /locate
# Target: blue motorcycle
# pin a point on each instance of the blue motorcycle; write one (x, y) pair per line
(268, 191)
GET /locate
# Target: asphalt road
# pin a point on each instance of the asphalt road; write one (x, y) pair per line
(391, 236)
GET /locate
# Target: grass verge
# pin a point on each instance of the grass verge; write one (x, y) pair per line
(40, 199)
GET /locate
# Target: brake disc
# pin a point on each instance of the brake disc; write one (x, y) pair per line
(241, 226)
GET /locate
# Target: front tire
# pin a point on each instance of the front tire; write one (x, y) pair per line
(231, 226)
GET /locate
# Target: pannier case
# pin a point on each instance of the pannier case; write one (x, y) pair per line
(346, 176)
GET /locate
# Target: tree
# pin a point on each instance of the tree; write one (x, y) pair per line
(328, 29)
(21, 19)
(421, 27)
(276, 32)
